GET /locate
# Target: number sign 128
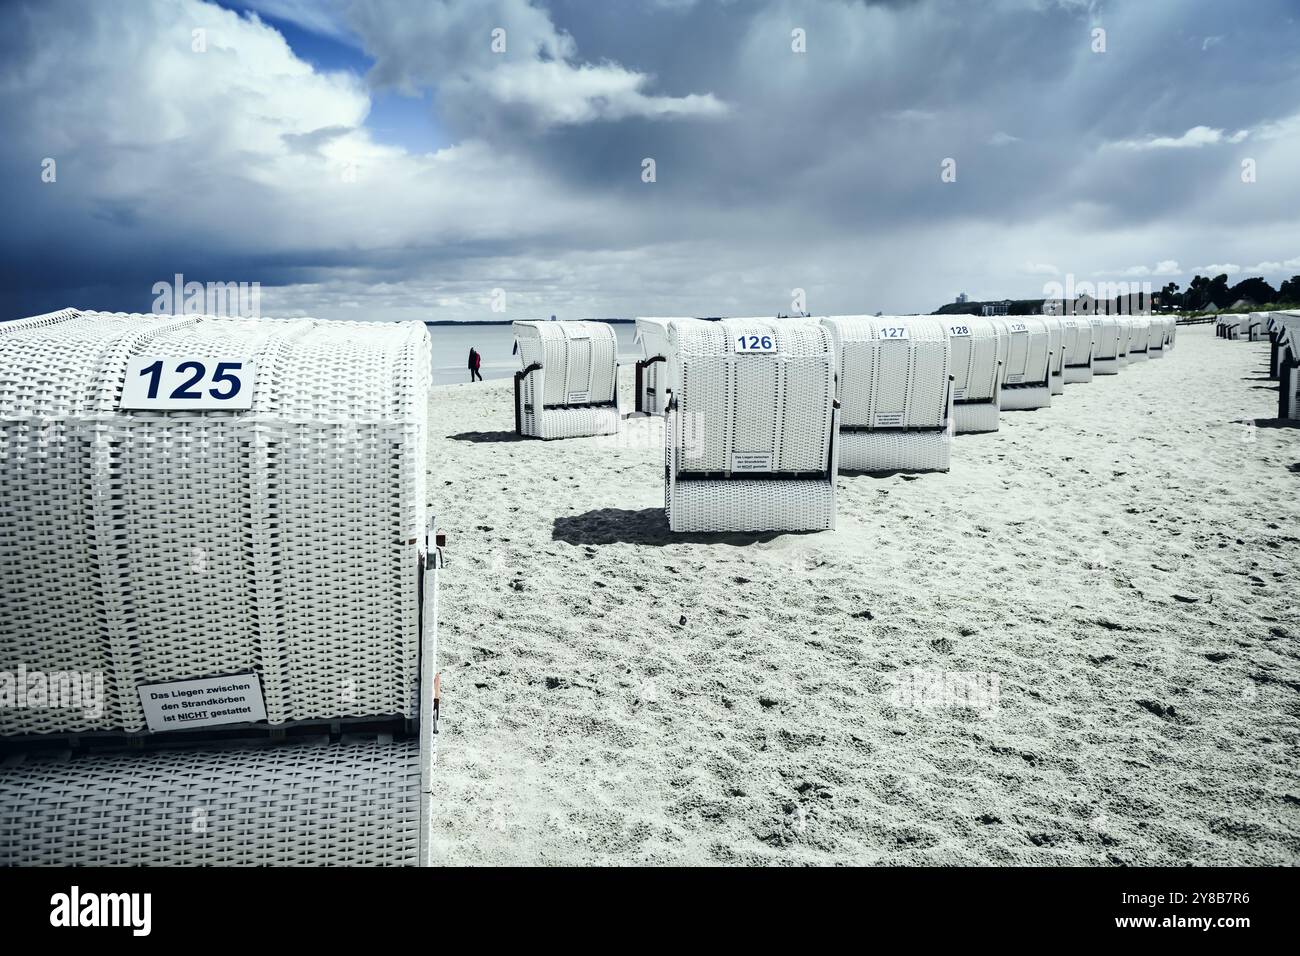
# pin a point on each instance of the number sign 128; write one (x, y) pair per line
(187, 383)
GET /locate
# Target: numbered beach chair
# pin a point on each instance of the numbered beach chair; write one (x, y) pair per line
(1157, 332)
(220, 591)
(1106, 331)
(652, 369)
(568, 386)
(1288, 384)
(1124, 327)
(1056, 346)
(1139, 338)
(751, 426)
(1077, 348)
(1026, 369)
(978, 347)
(895, 392)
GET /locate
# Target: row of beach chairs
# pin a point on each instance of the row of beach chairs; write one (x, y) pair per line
(1282, 331)
(218, 642)
(761, 414)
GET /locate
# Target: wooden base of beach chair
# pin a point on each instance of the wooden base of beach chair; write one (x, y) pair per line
(1077, 374)
(1022, 398)
(1109, 366)
(876, 451)
(751, 505)
(345, 804)
(1058, 383)
(973, 417)
(1138, 356)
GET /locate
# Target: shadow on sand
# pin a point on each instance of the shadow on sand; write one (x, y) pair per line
(648, 526)
(488, 436)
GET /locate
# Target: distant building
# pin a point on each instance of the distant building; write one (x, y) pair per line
(962, 298)
(997, 308)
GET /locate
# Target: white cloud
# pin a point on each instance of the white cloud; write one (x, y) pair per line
(448, 46)
(1210, 41)
(1219, 269)
(1194, 138)
(1039, 269)
(1002, 139)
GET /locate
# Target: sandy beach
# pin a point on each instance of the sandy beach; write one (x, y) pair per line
(1116, 573)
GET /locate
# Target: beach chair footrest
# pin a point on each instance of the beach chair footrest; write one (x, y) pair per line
(874, 451)
(348, 804)
(742, 505)
(975, 417)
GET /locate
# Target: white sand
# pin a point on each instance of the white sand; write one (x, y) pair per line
(584, 723)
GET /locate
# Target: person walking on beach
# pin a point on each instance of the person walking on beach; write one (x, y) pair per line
(475, 360)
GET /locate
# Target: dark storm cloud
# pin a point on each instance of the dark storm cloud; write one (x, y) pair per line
(774, 168)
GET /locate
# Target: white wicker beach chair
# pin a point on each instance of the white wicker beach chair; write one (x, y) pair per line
(1139, 337)
(1124, 324)
(1106, 333)
(895, 392)
(652, 369)
(1286, 343)
(221, 525)
(1282, 326)
(568, 386)
(1231, 327)
(751, 429)
(1056, 344)
(1157, 333)
(978, 345)
(1026, 369)
(1077, 349)
(1255, 327)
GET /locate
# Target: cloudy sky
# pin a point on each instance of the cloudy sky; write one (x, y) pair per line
(380, 159)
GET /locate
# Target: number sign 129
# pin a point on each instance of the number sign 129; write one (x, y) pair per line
(187, 383)
(752, 342)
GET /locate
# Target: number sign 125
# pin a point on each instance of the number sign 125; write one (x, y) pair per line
(187, 383)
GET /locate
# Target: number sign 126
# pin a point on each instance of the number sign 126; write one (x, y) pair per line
(755, 342)
(187, 383)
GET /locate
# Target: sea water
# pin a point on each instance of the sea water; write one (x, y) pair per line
(495, 343)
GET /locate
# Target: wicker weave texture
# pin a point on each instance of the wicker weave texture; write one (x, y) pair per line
(354, 804)
(891, 382)
(745, 506)
(880, 451)
(153, 546)
(973, 417)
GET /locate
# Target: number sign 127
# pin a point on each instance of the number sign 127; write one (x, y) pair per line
(187, 383)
